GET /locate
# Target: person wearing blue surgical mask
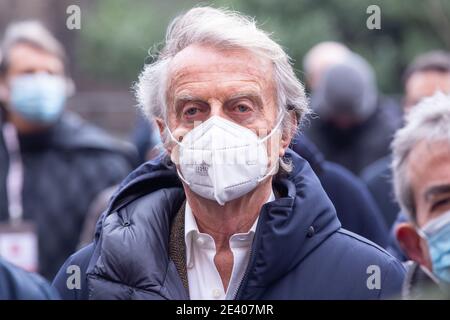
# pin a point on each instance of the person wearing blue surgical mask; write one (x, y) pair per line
(36, 86)
(52, 162)
(421, 167)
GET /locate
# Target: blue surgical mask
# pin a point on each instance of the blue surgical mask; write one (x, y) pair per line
(39, 97)
(437, 233)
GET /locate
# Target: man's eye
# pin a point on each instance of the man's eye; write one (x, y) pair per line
(242, 108)
(191, 111)
(440, 203)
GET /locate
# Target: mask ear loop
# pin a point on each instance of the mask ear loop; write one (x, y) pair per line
(422, 234)
(272, 170)
(437, 223)
(180, 175)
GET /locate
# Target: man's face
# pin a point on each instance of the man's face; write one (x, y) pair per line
(234, 84)
(429, 174)
(424, 84)
(27, 59)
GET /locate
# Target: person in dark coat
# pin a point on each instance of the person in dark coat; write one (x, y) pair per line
(208, 220)
(146, 138)
(428, 73)
(378, 178)
(17, 284)
(52, 163)
(355, 123)
(355, 206)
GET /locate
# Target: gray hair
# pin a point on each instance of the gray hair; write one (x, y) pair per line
(428, 121)
(225, 29)
(33, 33)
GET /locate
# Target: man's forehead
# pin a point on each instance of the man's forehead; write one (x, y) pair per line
(24, 55)
(428, 81)
(426, 152)
(202, 59)
(429, 164)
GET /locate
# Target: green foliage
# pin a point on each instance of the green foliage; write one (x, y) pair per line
(117, 34)
(116, 37)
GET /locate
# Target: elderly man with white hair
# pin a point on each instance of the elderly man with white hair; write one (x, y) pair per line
(229, 212)
(421, 168)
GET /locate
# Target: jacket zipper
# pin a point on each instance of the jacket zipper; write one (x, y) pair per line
(247, 270)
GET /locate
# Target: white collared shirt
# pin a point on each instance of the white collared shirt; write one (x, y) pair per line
(204, 279)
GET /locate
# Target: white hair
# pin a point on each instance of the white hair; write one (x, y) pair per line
(428, 121)
(222, 29)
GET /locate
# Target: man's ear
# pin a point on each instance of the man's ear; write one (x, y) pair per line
(288, 135)
(161, 126)
(413, 244)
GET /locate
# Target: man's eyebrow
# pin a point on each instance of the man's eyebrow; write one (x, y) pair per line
(251, 95)
(436, 190)
(187, 97)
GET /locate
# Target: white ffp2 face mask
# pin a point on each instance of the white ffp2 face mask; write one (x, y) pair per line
(222, 161)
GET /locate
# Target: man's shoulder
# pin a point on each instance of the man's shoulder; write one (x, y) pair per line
(357, 253)
(74, 133)
(71, 281)
(356, 263)
(365, 255)
(18, 284)
(365, 250)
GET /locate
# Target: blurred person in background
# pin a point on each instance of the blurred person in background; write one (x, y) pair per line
(355, 123)
(17, 284)
(147, 140)
(427, 74)
(320, 58)
(189, 225)
(52, 163)
(355, 206)
(421, 171)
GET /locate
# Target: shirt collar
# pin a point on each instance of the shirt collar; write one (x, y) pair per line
(191, 228)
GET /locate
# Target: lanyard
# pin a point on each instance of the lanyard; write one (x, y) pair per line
(14, 179)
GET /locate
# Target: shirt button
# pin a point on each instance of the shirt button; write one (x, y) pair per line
(216, 293)
(201, 241)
